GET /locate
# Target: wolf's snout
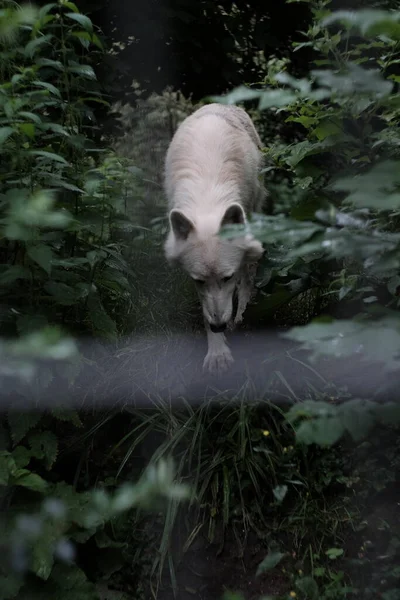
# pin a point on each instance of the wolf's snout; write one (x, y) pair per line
(218, 328)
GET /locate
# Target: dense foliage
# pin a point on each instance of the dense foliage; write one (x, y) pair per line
(303, 494)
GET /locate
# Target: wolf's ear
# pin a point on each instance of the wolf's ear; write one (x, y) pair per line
(234, 215)
(180, 224)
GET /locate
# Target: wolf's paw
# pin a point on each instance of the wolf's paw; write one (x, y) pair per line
(232, 325)
(238, 319)
(218, 362)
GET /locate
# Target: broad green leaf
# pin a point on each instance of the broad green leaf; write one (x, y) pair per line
(323, 431)
(378, 188)
(334, 553)
(280, 492)
(46, 9)
(21, 423)
(309, 587)
(10, 585)
(70, 5)
(5, 133)
(32, 481)
(44, 446)
(82, 20)
(47, 62)
(47, 86)
(67, 416)
(270, 562)
(42, 255)
(97, 42)
(74, 261)
(36, 44)
(22, 456)
(29, 323)
(71, 583)
(102, 324)
(358, 417)
(28, 129)
(7, 467)
(239, 94)
(31, 116)
(46, 343)
(63, 294)
(82, 70)
(369, 22)
(50, 156)
(276, 99)
(84, 37)
(326, 129)
(376, 340)
(43, 556)
(12, 273)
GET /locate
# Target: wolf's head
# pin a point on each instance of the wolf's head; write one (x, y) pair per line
(214, 263)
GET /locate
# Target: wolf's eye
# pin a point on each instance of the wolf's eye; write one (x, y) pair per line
(199, 281)
(225, 279)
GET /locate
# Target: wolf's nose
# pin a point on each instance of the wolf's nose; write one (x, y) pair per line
(217, 328)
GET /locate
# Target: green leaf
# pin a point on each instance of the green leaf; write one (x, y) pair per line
(47, 62)
(22, 422)
(239, 94)
(370, 22)
(44, 445)
(31, 116)
(50, 156)
(101, 322)
(43, 556)
(97, 42)
(280, 492)
(22, 456)
(71, 583)
(270, 562)
(334, 553)
(46, 9)
(83, 70)
(12, 273)
(82, 20)
(32, 481)
(7, 467)
(36, 44)
(309, 587)
(323, 431)
(63, 294)
(358, 417)
(276, 99)
(67, 416)
(84, 37)
(47, 86)
(71, 6)
(5, 133)
(10, 585)
(29, 323)
(378, 339)
(42, 255)
(378, 188)
(28, 129)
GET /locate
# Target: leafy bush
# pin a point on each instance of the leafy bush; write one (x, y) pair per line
(343, 230)
(63, 220)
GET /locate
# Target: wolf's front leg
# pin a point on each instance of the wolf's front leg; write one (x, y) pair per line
(245, 290)
(219, 357)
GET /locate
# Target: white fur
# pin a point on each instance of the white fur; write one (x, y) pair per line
(212, 179)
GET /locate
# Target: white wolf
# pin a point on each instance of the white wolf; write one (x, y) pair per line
(212, 172)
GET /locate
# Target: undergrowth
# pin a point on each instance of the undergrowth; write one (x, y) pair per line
(314, 483)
